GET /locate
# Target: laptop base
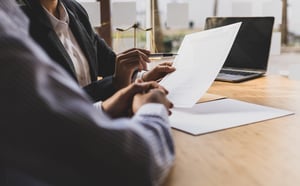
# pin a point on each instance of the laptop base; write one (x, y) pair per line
(237, 78)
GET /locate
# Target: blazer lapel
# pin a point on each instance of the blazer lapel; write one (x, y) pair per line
(53, 40)
(84, 43)
(60, 50)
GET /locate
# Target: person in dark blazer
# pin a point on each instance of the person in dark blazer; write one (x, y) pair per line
(63, 30)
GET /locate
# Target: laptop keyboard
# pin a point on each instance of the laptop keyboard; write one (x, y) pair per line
(236, 76)
(239, 73)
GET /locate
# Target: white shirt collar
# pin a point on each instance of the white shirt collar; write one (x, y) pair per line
(63, 19)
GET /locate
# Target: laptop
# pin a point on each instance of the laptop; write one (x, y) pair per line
(249, 55)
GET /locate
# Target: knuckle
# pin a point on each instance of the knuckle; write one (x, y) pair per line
(135, 85)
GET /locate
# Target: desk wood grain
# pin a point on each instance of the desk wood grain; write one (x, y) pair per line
(261, 154)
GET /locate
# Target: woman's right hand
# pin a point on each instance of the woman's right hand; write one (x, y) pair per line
(127, 63)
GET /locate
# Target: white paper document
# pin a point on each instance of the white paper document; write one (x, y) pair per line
(200, 58)
(221, 114)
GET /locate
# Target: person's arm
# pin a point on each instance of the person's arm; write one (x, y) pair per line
(52, 130)
(149, 154)
(121, 66)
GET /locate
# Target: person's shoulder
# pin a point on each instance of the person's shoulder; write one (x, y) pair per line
(29, 7)
(25, 6)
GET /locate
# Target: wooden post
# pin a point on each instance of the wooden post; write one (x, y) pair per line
(284, 24)
(158, 35)
(105, 29)
(215, 8)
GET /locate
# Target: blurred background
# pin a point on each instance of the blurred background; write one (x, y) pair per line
(160, 25)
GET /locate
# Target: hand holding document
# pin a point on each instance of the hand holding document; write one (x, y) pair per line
(200, 58)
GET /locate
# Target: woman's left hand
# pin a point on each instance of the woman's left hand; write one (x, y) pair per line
(158, 72)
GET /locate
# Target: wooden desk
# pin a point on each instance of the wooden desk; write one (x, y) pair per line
(261, 154)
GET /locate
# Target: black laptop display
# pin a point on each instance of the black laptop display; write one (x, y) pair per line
(249, 54)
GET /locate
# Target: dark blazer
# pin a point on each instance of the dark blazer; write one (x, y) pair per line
(100, 57)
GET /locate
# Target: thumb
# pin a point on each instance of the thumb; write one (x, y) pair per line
(143, 87)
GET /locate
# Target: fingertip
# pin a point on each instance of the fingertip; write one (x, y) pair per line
(171, 105)
(171, 69)
(146, 60)
(166, 91)
(169, 63)
(139, 80)
(147, 51)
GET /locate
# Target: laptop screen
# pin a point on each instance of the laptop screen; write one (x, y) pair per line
(252, 45)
